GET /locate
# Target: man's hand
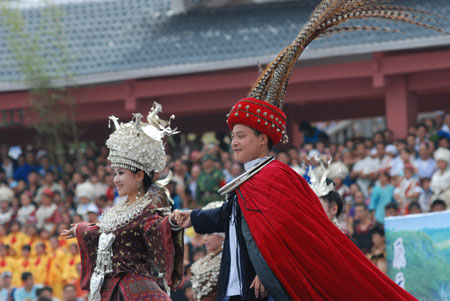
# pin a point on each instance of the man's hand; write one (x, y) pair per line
(260, 291)
(182, 218)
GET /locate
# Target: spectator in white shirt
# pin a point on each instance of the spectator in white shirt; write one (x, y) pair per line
(425, 164)
(362, 169)
(440, 182)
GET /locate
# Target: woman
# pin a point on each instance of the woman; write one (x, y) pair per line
(325, 189)
(205, 271)
(47, 215)
(378, 251)
(133, 253)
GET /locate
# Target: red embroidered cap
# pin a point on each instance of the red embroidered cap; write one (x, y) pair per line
(259, 115)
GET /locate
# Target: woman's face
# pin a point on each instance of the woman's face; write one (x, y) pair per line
(125, 181)
(213, 242)
(25, 199)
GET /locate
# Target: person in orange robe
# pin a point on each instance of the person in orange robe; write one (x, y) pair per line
(23, 264)
(57, 257)
(40, 265)
(70, 273)
(7, 264)
(15, 239)
(44, 237)
(31, 238)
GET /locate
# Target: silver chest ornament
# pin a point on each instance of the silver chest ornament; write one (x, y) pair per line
(103, 265)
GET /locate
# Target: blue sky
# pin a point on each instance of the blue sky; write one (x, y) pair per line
(415, 222)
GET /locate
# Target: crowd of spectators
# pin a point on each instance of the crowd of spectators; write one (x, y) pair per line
(381, 176)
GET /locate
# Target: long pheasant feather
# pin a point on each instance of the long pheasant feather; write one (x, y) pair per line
(325, 20)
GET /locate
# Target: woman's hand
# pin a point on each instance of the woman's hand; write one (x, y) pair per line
(182, 218)
(69, 233)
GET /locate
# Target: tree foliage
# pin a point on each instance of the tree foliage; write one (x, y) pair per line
(42, 57)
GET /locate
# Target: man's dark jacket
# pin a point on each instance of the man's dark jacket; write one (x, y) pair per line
(218, 220)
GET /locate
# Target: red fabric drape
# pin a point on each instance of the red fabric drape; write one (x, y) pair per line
(310, 256)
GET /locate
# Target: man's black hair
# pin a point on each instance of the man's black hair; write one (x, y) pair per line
(422, 124)
(387, 175)
(41, 290)
(402, 141)
(26, 276)
(49, 172)
(269, 142)
(391, 206)
(408, 150)
(412, 205)
(437, 203)
(69, 285)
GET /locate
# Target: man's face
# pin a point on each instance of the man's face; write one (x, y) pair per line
(380, 150)
(246, 145)
(390, 212)
(361, 150)
(70, 293)
(7, 281)
(423, 152)
(29, 282)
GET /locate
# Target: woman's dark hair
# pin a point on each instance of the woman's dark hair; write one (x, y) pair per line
(333, 197)
(378, 229)
(414, 204)
(148, 180)
(387, 175)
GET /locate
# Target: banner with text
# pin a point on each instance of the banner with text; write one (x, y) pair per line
(418, 254)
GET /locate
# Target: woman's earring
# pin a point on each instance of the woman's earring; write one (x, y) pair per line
(139, 190)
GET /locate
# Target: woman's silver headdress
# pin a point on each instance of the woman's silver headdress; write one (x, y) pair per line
(137, 145)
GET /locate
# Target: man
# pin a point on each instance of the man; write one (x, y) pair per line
(6, 288)
(363, 168)
(390, 209)
(45, 293)
(278, 239)
(438, 205)
(425, 164)
(70, 293)
(28, 291)
(209, 181)
(248, 145)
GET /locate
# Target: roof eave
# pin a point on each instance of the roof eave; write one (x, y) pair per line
(334, 52)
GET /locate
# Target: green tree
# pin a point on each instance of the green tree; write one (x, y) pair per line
(42, 58)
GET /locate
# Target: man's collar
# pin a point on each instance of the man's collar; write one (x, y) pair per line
(248, 165)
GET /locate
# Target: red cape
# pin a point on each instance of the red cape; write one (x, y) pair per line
(309, 255)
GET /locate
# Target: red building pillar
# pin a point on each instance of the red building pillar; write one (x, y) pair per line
(401, 106)
(292, 125)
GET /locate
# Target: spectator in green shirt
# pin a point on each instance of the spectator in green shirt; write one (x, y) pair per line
(209, 181)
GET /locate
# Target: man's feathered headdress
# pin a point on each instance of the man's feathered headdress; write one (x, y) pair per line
(262, 109)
